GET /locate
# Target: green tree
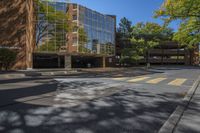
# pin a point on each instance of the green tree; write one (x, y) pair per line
(83, 39)
(188, 13)
(7, 57)
(129, 55)
(124, 31)
(146, 36)
(55, 22)
(151, 32)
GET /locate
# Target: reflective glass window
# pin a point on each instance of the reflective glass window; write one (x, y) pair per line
(74, 17)
(74, 6)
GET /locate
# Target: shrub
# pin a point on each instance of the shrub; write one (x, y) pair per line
(7, 57)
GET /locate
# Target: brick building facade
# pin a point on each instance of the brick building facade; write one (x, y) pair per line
(17, 30)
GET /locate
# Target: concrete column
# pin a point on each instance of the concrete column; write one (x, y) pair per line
(58, 61)
(162, 58)
(177, 59)
(187, 57)
(68, 62)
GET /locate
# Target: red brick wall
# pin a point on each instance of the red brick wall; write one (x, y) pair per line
(13, 28)
(17, 30)
(70, 47)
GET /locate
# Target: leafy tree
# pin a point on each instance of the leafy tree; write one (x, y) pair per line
(188, 13)
(151, 32)
(129, 56)
(56, 23)
(188, 33)
(83, 39)
(7, 57)
(49, 45)
(145, 37)
(124, 33)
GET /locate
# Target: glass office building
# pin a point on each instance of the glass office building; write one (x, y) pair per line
(99, 28)
(50, 25)
(51, 35)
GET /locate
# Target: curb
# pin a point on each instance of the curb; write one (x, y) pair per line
(58, 73)
(11, 76)
(35, 74)
(170, 125)
(51, 73)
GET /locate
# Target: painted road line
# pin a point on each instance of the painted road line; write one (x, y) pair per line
(155, 81)
(177, 82)
(138, 79)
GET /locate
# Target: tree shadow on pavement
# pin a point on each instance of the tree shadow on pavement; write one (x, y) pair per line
(18, 80)
(128, 111)
(9, 96)
(189, 122)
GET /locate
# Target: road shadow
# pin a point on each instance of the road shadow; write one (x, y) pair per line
(18, 80)
(128, 111)
(189, 122)
(9, 96)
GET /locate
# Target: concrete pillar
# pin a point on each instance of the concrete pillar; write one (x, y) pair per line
(68, 62)
(187, 57)
(59, 62)
(162, 58)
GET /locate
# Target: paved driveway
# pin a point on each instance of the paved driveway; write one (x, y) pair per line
(119, 102)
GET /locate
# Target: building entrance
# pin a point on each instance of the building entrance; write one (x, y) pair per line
(48, 61)
(86, 62)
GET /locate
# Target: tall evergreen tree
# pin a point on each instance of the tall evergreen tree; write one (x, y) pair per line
(124, 33)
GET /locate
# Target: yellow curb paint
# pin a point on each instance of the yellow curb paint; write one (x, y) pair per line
(138, 79)
(155, 81)
(177, 82)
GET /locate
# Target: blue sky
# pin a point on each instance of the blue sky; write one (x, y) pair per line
(134, 10)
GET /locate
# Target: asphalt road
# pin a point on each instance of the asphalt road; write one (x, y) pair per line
(131, 101)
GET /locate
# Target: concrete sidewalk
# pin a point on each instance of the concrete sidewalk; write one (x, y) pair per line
(64, 72)
(33, 73)
(190, 121)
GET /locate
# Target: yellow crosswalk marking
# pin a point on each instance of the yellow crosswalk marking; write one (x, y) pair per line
(138, 79)
(155, 81)
(177, 82)
(118, 79)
